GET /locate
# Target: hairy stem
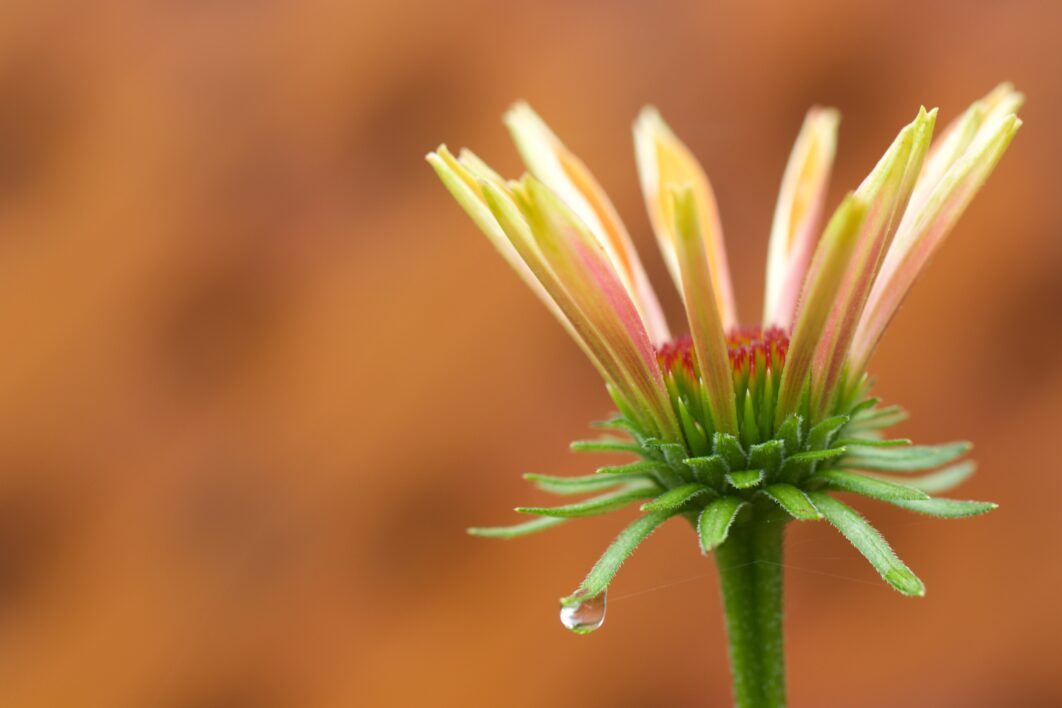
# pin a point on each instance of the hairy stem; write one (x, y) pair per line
(750, 573)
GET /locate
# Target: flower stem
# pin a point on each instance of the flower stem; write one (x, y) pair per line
(750, 573)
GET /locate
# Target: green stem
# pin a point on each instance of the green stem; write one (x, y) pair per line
(750, 572)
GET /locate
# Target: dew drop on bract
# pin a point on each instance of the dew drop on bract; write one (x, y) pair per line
(585, 616)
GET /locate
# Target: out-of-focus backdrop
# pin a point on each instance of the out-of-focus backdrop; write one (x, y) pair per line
(259, 372)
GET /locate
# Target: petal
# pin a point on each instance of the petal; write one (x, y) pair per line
(934, 209)
(706, 327)
(663, 161)
(798, 216)
(573, 268)
(552, 163)
(886, 190)
(829, 264)
(460, 178)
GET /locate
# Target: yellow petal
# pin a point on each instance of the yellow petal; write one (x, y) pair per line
(663, 161)
(565, 174)
(798, 216)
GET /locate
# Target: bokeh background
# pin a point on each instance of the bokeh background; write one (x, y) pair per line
(259, 372)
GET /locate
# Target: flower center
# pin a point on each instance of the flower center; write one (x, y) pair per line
(751, 349)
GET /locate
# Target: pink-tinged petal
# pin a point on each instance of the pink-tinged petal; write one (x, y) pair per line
(926, 224)
(575, 272)
(830, 263)
(568, 177)
(583, 268)
(886, 190)
(460, 178)
(956, 138)
(461, 181)
(664, 161)
(798, 216)
(706, 326)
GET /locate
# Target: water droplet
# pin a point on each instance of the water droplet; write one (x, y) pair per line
(585, 616)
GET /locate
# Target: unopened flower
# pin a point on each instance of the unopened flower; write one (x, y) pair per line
(739, 429)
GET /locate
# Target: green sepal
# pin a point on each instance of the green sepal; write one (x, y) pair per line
(794, 501)
(708, 470)
(872, 487)
(862, 406)
(903, 459)
(695, 435)
(674, 454)
(768, 456)
(528, 527)
(745, 479)
(620, 550)
(713, 525)
(675, 498)
(591, 507)
(576, 485)
(869, 542)
(946, 508)
(750, 431)
(875, 418)
(822, 433)
(618, 422)
(816, 455)
(789, 432)
(641, 467)
(730, 449)
(942, 480)
(873, 442)
(606, 444)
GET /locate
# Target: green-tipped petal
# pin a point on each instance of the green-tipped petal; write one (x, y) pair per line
(706, 326)
(565, 174)
(886, 190)
(663, 161)
(829, 265)
(956, 172)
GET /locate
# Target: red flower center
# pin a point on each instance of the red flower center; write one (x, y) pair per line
(748, 347)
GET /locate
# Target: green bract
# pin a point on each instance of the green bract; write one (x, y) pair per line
(791, 470)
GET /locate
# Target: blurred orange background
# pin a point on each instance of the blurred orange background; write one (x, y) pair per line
(261, 372)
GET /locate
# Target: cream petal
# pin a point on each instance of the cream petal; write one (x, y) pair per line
(568, 177)
(798, 215)
(933, 211)
(664, 161)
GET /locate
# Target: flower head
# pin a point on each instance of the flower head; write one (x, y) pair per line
(734, 423)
